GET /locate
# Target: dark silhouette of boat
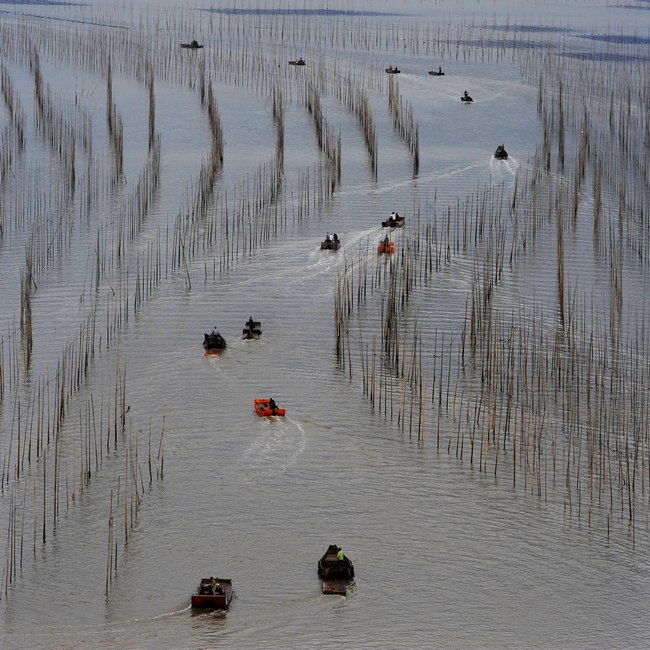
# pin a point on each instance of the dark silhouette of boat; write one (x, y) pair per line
(252, 329)
(299, 61)
(213, 343)
(334, 573)
(393, 69)
(330, 243)
(194, 45)
(466, 98)
(437, 73)
(394, 221)
(501, 153)
(213, 593)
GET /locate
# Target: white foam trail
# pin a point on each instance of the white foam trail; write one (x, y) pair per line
(276, 449)
(501, 168)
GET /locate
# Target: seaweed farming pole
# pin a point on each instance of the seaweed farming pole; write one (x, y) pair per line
(152, 105)
(115, 128)
(277, 106)
(357, 100)
(328, 142)
(560, 263)
(109, 555)
(404, 122)
(26, 282)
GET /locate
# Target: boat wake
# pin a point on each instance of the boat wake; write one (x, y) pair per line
(167, 614)
(318, 262)
(214, 362)
(501, 169)
(275, 450)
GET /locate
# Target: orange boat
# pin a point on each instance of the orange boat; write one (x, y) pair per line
(387, 247)
(264, 407)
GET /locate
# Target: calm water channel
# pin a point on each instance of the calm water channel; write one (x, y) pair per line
(447, 554)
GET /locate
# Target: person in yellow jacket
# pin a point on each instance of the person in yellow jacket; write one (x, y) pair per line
(340, 556)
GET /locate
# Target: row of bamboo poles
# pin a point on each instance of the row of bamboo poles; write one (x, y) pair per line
(39, 447)
(550, 394)
(37, 450)
(404, 121)
(328, 142)
(45, 416)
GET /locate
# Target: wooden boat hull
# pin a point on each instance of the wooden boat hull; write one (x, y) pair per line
(501, 154)
(214, 343)
(252, 332)
(263, 409)
(433, 73)
(202, 600)
(330, 245)
(331, 568)
(467, 100)
(389, 71)
(189, 46)
(296, 63)
(393, 223)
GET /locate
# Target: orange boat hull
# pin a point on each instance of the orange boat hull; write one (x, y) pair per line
(263, 409)
(383, 248)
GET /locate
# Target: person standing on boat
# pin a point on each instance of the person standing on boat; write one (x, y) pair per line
(273, 406)
(340, 556)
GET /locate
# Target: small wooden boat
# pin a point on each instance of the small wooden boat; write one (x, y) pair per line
(252, 329)
(265, 407)
(300, 61)
(334, 573)
(386, 247)
(330, 244)
(437, 73)
(501, 153)
(213, 343)
(393, 69)
(466, 98)
(393, 222)
(192, 46)
(213, 593)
